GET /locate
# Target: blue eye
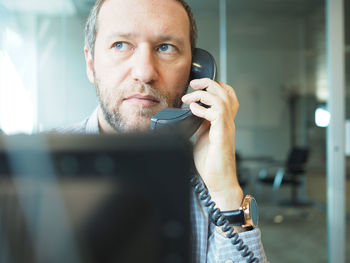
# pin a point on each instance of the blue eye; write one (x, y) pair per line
(121, 46)
(166, 48)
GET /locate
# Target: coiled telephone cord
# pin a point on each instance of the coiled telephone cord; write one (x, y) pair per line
(219, 220)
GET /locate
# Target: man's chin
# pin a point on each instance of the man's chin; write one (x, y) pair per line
(137, 119)
(136, 125)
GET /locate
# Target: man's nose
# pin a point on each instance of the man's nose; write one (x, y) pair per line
(144, 68)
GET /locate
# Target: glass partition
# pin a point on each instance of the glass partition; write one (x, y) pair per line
(42, 68)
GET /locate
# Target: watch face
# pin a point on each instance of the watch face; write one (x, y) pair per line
(254, 212)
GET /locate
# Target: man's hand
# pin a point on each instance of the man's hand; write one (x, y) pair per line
(214, 151)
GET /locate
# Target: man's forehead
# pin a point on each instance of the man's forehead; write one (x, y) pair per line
(136, 3)
(155, 7)
(125, 15)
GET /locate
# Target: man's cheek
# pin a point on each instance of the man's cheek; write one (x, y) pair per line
(112, 99)
(128, 112)
(134, 119)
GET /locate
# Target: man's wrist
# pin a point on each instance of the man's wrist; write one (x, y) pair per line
(228, 199)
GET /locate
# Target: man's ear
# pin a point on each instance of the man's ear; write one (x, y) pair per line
(89, 65)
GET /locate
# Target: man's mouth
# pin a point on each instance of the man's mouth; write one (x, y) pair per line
(146, 101)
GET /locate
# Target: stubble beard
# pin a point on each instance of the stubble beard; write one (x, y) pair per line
(123, 124)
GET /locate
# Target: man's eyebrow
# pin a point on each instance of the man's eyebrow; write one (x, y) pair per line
(171, 38)
(122, 35)
(162, 38)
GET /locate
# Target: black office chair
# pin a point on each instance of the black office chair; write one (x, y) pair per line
(291, 174)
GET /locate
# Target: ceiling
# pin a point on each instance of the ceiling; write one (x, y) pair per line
(258, 7)
(49, 7)
(83, 6)
(276, 7)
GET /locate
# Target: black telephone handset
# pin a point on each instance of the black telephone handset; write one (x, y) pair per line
(182, 119)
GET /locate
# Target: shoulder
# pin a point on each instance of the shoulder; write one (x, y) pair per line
(74, 128)
(88, 125)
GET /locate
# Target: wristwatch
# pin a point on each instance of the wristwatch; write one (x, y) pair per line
(246, 216)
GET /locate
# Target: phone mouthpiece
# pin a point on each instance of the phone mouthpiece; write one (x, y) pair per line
(182, 120)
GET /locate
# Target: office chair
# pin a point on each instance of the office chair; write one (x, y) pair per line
(291, 174)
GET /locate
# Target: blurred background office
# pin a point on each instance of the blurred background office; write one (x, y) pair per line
(272, 52)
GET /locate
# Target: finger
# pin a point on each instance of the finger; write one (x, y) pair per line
(211, 87)
(202, 112)
(201, 96)
(199, 84)
(229, 89)
(233, 100)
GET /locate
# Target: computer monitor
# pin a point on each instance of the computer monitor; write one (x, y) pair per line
(94, 198)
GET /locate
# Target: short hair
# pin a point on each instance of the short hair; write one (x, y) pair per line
(91, 27)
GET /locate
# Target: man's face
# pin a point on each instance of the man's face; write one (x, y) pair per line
(142, 60)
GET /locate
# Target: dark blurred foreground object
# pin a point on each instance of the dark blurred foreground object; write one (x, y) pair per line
(292, 174)
(94, 198)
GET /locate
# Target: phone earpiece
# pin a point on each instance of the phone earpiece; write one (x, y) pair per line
(203, 65)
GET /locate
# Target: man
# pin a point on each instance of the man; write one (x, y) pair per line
(138, 56)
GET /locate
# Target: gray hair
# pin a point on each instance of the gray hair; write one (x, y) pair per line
(91, 26)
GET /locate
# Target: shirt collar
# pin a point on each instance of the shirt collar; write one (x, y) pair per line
(92, 123)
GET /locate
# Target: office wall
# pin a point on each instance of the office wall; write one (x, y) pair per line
(65, 94)
(43, 81)
(265, 64)
(272, 57)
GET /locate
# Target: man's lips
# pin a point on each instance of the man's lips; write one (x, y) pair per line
(142, 100)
